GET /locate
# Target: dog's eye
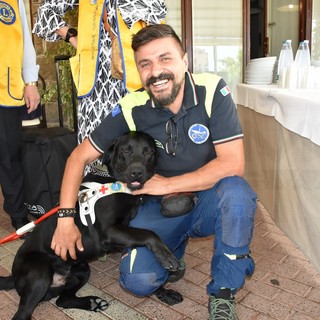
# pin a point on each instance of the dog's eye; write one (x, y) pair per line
(125, 150)
(148, 152)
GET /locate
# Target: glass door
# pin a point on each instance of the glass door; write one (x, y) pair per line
(282, 24)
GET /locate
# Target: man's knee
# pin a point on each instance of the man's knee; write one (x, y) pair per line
(235, 190)
(237, 205)
(140, 272)
(142, 284)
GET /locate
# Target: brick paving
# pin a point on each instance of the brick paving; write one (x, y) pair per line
(285, 285)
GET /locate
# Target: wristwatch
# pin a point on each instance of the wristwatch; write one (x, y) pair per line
(72, 32)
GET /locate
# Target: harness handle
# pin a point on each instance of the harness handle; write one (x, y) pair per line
(28, 227)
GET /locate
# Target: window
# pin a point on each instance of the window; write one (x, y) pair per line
(216, 44)
(174, 15)
(315, 36)
(217, 39)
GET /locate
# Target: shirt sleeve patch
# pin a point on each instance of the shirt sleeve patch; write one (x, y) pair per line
(225, 91)
(116, 110)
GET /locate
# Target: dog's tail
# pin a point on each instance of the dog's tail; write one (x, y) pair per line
(6, 283)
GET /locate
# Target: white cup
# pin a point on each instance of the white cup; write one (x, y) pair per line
(310, 78)
(291, 76)
(302, 77)
(315, 63)
(281, 82)
(317, 78)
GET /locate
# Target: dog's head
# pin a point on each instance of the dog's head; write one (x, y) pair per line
(132, 159)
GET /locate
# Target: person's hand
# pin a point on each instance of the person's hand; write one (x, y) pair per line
(157, 185)
(74, 42)
(31, 97)
(66, 238)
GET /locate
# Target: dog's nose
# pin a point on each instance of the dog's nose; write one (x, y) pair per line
(136, 173)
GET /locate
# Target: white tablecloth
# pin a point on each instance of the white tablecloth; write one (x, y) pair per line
(282, 148)
(298, 110)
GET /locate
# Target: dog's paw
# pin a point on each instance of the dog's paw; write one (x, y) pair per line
(166, 258)
(98, 304)
(168, 296)
(168, 261)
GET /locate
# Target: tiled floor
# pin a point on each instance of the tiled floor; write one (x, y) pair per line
(284, 286)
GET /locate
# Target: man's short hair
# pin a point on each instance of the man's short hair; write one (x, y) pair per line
(153, 32)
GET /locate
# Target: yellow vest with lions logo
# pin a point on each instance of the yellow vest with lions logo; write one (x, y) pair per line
(84, 64)
(11, 53)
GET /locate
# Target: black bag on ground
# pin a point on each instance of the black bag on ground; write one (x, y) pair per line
(45, 151)
(44, 155)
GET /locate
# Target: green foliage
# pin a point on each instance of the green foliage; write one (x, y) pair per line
(233, 68)
(51, 92)
(61, 48)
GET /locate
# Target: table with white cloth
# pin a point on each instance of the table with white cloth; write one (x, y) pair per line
(282, 145)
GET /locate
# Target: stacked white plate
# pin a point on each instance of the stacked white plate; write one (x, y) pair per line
(260, 70)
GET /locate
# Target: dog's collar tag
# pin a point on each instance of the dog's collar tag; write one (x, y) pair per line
(92, 193)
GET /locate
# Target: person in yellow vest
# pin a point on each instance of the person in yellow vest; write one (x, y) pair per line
(98, 22)
(18, 87)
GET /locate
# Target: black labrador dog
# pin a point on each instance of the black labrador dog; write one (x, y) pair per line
(38, 274)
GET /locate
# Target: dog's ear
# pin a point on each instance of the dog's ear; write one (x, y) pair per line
(109, 153)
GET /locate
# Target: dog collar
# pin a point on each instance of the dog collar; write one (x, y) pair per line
(92, 193)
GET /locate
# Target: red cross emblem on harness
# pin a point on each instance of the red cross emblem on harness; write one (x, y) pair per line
(103, 189)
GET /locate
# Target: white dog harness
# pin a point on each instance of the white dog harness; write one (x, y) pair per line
(92, 193)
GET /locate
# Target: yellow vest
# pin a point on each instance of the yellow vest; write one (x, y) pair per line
(85, 63)
(131, 75)
(11, 53)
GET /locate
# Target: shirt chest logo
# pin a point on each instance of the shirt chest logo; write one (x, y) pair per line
(7, 13)
(198, 133)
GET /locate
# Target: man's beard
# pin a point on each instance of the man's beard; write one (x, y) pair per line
(164, 100)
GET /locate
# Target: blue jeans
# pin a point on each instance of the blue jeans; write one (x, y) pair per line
(226, 211)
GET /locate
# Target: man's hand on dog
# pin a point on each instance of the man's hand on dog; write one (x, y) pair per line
(157, 185)
(66, 238)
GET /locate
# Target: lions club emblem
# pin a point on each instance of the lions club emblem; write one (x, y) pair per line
(7, 13)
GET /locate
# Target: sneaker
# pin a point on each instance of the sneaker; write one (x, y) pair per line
(222, 309)
(177, 275)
